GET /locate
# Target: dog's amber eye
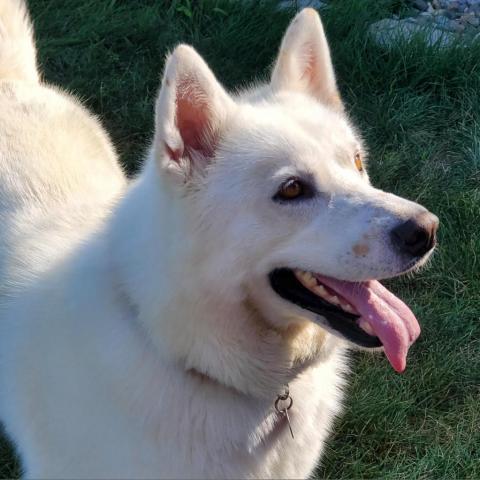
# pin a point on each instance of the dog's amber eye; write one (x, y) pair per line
(358, 162)
(290, 190)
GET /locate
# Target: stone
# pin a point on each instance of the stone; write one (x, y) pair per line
(469, 18)
(438, 22)
(442, 21)
(423, 19)
(452, 14)
(388, 32)
(421, 5)
(456, 26)
(446, 24)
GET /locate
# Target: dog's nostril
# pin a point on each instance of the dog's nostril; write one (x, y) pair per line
(417, 235)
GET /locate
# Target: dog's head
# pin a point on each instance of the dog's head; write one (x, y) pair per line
(278, 194)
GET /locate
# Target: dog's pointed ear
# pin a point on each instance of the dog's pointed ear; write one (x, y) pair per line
(190, 113)
(304, 63)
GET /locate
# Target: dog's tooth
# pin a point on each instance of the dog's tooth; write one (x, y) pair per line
(335, 300)
(347, 307)
(300, 274)
(320, 290)
(303, 277)
(308, 277)
(364, 325)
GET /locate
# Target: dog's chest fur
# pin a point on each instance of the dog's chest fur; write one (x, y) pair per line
(160, 421)
(206, 433)
(214, 432)
(117, 410)
(133, 414)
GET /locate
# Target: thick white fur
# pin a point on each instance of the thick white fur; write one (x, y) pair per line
(17, 51)
(139, 336)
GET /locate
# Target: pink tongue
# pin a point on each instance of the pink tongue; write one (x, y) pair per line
(391, 320)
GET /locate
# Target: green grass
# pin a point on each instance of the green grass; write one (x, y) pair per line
(419, 110)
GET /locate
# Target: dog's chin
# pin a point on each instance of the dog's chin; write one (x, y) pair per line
(322, 306)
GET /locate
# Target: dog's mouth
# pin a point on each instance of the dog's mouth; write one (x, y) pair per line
(365, 313)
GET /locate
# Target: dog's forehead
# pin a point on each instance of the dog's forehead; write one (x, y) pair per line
(312, 115)
(291, 130)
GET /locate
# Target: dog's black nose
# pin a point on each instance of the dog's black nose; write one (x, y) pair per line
(417, 235)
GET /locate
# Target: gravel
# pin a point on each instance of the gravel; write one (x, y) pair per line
(441, 22)
(438, 22)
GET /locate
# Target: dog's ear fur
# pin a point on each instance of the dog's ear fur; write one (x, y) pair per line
(304, 64)
(190, 113)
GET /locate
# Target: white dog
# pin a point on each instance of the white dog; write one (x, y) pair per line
(192, 323)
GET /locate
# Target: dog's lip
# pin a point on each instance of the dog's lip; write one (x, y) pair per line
(286, 284)
(373, 311)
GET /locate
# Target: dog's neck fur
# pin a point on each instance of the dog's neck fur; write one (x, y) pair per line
(221, 336)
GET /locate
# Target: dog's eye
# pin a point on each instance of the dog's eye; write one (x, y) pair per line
(358, 162)
(292, 189)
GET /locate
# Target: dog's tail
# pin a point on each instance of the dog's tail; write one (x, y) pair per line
(17, 46)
